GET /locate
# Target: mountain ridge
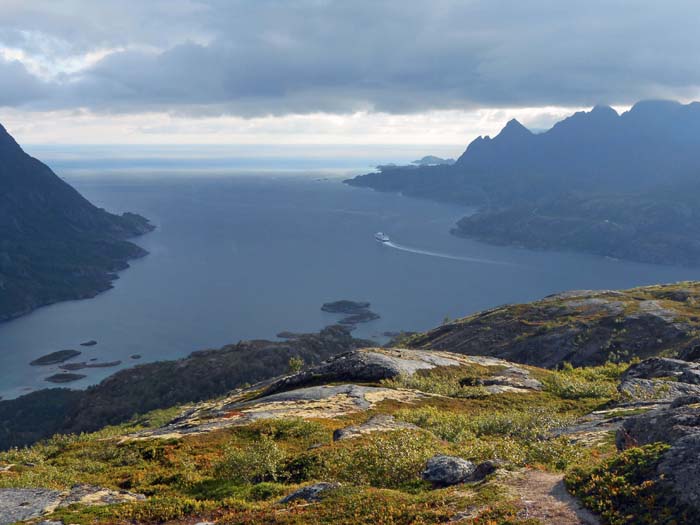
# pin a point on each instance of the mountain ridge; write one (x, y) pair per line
(55, 245)
(600, 163)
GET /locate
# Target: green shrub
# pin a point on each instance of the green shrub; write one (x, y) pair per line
(626, 490)
(293, 428)
(569, 387)
(389, 459)
(455, 426)
(452, 381)
(585, 382)
(161, 509)
(555, 453)
(254, 463)
(301, 468)
(295, 364)
(264, 491)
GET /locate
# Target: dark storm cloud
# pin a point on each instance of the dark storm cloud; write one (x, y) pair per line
(276, 57)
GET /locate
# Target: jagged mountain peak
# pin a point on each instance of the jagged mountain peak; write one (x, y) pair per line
(603, 110)
(514, 129)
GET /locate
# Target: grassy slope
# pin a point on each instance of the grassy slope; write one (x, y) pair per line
(237, 474)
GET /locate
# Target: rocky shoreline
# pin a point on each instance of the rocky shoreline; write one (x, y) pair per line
(203, 374)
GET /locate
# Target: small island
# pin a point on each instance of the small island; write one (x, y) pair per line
(84, 364)
(64, 378)
(55, 357)
(91, 342)
(362, 317)
(357, 311)
(345, 307)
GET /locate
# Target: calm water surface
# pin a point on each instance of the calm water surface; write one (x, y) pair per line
(247, 256)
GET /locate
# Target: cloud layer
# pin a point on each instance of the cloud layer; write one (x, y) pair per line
(278, 57)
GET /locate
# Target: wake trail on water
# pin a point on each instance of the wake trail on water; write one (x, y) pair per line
(444, 255)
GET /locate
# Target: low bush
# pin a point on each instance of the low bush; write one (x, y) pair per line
(585, 382)
(295, 429)
(452, 381)
(455, 426)
(389, 459)
(259, 461)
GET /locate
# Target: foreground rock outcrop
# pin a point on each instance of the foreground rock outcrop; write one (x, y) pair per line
(345, 384)
(678, 426)
(23, 504)
(376, 364)
(661, 379)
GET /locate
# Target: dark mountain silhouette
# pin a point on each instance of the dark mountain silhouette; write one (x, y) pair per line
(54, 244)
(641, 167)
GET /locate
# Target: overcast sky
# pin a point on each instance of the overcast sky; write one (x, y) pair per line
(324, 71)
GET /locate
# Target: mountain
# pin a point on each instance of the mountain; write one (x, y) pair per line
(54, 244)
(622, 185)
(401, 435)
(582, 327)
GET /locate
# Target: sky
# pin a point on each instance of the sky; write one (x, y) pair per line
(437, 72)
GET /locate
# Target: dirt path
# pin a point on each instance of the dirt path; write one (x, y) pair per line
(544, 497)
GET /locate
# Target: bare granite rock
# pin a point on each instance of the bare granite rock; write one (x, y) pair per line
(315, 402)
(443, 471)
(660, 378)
(314, 492)
(380, 423)
(656, 367)
(679, 426)
(23, 504)
(337, 387)
(375, 364)
(511, 379)
(665, 424)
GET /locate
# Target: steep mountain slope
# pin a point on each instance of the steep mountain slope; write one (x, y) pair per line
(54, 244)
(618, 185)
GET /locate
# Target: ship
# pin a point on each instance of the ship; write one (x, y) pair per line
(381, 237)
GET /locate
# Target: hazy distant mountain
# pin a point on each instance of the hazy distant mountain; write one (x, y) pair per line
(432, 160)
(54, 244)
(641, 167)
